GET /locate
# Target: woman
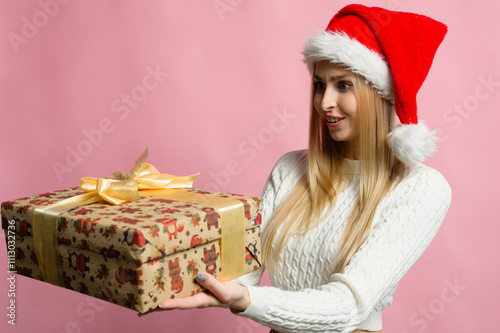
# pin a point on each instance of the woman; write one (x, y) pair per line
(344, 220)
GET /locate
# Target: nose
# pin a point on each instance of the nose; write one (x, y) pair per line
(328, 100)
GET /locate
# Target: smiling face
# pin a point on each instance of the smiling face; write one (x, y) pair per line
(335, 100)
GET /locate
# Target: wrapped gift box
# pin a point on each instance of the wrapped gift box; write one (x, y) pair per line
(135, 254)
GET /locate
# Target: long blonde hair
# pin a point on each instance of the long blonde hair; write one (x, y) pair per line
(302, 210)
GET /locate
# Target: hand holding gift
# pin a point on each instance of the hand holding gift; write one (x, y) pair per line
(227, 294)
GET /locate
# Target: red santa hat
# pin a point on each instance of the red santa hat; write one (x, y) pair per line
(393, 51)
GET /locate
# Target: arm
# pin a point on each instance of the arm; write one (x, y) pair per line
(272, 195)
(406, 224)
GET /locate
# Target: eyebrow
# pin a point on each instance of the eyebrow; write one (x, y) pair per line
(333, 78)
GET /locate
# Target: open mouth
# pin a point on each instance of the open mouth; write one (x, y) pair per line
(332, 120)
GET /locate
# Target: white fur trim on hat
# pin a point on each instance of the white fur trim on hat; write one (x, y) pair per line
(412, 143)
(340, 48)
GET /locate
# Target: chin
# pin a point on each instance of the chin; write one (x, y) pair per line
(342, 137)
(339, 138)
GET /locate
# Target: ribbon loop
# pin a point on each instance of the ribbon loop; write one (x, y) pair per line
(143, 176)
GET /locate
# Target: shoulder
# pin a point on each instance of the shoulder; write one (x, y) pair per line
(291, 165)
(285, 174)
(420, 200)
(292, 158)
(424, 174)
(424, 182)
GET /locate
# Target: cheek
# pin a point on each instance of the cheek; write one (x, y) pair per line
(352, 107)
(317, 102)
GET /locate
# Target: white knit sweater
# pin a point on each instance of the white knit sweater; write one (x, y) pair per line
(309, 298)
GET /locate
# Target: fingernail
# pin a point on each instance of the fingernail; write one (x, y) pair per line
(162, 307)
(200, 277)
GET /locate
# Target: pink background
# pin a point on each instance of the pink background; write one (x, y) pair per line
(229, 98)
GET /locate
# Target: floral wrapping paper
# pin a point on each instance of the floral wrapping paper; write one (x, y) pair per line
(135, 254)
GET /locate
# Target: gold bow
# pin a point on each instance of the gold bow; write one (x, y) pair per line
(143, 176)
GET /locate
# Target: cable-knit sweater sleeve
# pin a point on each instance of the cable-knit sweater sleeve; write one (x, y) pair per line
(269, 201)
(404, 225)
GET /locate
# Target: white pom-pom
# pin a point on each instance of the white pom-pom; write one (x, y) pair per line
(412, 143)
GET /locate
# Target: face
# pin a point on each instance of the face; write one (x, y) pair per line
(335, 100)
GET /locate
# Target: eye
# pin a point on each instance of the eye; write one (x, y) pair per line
(319, 86)
(344, 85)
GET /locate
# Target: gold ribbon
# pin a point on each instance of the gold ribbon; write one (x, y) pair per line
(143, 179)
(44, 235)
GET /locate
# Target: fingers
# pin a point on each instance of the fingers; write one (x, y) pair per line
(228, 294)
(231, 294)
(200, 300)
(158, 309)
(217, 288)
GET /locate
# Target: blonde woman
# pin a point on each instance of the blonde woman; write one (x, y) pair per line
(344, 220)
